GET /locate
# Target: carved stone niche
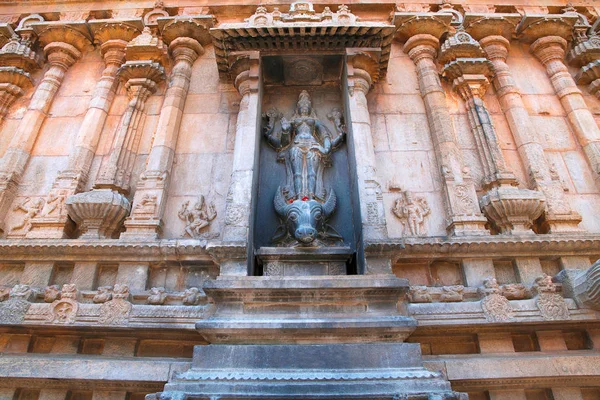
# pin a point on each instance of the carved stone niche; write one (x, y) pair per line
(304, 211)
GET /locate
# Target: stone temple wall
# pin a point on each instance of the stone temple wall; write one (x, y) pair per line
(138, 163)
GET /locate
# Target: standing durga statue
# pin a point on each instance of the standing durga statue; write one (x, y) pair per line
(304, 145)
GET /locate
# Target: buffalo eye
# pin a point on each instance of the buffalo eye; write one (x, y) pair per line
(318, 216)
(293, 217)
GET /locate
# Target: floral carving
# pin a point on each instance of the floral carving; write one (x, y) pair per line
(197, 218)
(552, 306)
(496, 307)
(117, 310)
(412, 210)
(64, 310)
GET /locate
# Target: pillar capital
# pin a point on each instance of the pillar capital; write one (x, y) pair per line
(422, 45)
(549, 48)
(496, 47)
(245, 71)
(363, 69)
(106, 30)
(61, 54)
(185, 49)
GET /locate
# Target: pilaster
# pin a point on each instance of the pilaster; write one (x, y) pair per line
(509, 208)
(464, 216)
(184, 35)
(550, 51)
(100, 212)
(113, 37)
(559, 216)
(62, 45)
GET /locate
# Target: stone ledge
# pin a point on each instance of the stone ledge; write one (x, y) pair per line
(43, 371)
(486, 246)
(575, 368)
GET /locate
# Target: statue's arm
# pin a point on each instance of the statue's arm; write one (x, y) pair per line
(325, 137)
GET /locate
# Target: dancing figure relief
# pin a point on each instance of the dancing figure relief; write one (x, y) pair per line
(304, 144)
(412, 210)
(197, 218)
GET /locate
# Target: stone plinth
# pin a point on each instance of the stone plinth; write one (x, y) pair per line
(334, 371)
(299, 261)
(346, 309)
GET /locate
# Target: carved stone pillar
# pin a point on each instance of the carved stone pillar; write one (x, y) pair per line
(62, 46)
(113, 36)
(509, 208)
(361, 66)
(559, 215)
(146, 221)
(246, 69)
(550, 50)
(100, 212)
(464, 215)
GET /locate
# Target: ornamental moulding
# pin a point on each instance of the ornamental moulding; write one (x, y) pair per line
(300, 29)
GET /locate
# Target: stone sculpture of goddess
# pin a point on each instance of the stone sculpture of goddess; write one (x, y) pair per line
(304, 144)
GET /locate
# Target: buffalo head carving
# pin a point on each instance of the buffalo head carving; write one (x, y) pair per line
(305, 220)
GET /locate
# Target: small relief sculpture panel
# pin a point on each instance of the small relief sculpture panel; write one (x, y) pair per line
(146, 207)
(64, 309)
(552, 306)
(103, 295)
(32, 208)
(304, 144)
(198, 218)
(496, 307)
(157, 296)
(52, 293)
(117, 310)
(412, 211)
(452, 293)
(194, 296)
(419, 294)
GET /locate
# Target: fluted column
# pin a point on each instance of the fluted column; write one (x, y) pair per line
(559, 215)
(550, 50)
(239, 197)
(464, 215)
(154, 181)
(60, 57)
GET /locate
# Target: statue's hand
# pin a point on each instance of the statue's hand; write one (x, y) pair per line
(285, 124)
(320, 149)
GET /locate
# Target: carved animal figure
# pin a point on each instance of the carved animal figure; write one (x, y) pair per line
(305, 220)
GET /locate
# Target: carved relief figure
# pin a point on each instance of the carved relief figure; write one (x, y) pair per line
(198, 218)
(31, 210)
(412, 211)
(304, 144)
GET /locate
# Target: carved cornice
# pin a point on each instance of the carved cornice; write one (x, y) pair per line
(76, 33)
(486, 246)
(196, 27)
(115, 29)
(6, 33)
(17, 53)
(300, 31)
(411, 24)
(535, 26)
(146, 47)
(107, 250)
(483, 25)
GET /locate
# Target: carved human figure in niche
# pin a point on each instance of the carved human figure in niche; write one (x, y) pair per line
(31, 210)
(412, 210)
(304, 144)
(197, 218)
